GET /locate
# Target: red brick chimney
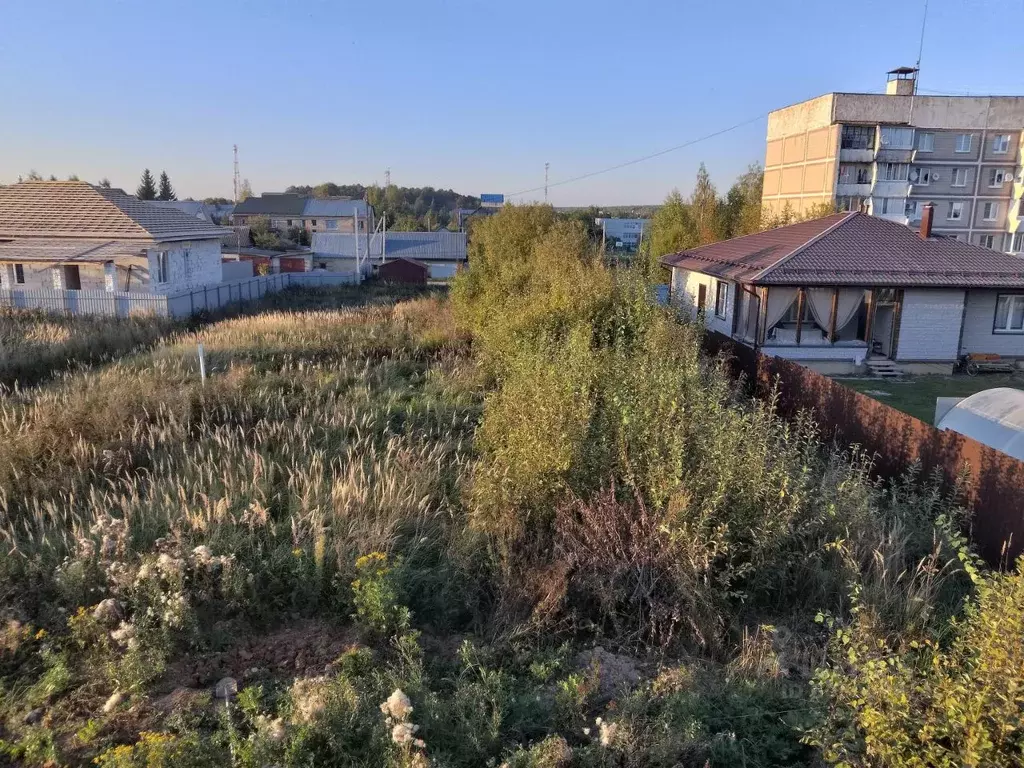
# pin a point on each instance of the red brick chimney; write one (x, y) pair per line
(927, 214)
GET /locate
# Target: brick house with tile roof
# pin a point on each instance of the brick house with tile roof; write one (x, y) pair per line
(72, 235)
(849, 288)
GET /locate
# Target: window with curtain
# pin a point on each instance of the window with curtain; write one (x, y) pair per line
(1009, 314)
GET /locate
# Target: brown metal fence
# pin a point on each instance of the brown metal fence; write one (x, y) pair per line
(896, 439)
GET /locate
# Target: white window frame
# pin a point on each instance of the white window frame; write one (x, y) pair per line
(896, 172)
(956, 211)
(721, 297)
(987, 241)
(1012, 300)
(1000, 144)
(896, 130)
(924, 176)
(1017, 242)
(997, 177)
(990, 211)
(926, 142)
(959, 142)
(956, 174)
(162, 268)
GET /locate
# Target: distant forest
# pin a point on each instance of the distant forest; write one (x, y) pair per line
(410, 209)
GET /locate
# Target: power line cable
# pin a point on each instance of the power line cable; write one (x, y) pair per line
(642, 159)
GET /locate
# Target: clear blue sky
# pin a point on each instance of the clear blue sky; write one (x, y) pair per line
(475, 96)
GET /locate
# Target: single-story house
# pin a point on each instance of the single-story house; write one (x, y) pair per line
(267, 262)
(314, 214)
(72, 235)
(443, 252)
(403, 270)
(842, 290)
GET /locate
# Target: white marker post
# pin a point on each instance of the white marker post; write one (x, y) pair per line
(202, 364)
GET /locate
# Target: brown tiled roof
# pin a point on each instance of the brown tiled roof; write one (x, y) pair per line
(852, 249)
(78, 209)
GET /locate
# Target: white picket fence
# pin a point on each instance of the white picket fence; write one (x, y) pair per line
(183, 304)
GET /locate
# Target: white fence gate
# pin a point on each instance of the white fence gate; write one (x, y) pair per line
(183, 304)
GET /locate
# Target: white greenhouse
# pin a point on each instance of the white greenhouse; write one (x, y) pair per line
(994, 417)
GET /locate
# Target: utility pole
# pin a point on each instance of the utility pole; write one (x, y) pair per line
(546, 166)
(235, 147)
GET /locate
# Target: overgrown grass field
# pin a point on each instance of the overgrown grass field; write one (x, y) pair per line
(528, 526)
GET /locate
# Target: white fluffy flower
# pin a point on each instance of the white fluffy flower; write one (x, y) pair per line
(404, 733)
(123, 634)
(202, 555)
(608, 732)
(397, 706)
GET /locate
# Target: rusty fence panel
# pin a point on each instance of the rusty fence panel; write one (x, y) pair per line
(897, 440)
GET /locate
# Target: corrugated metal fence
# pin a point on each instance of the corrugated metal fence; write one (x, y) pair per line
(183, 304)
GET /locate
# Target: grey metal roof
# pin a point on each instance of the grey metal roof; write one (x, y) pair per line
(58, 249)
(80, 210)
(283, 204)
(423, 246)
(194, 208)
(327, 207)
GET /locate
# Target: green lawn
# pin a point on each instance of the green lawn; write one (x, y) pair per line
(916, 395)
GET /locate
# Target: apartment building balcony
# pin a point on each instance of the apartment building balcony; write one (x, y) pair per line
(884, 188)
(887, 155)
(853, 190)
(856, 155)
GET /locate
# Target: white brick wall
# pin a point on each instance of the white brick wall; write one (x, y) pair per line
(837, 352)
(685, 285)
(978, 321)
(930, 325)
(202, 267)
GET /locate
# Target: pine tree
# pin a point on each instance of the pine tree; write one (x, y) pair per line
(147, 189)
(166, 190)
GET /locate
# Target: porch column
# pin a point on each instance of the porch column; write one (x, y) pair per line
(800, 298)
(109, 276)
(7, 278)
(57, 275)
(832, 318)
(869, 321)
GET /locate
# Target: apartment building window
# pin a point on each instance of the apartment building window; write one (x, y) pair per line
(162, 272)
(1001, 144)
(857, 137)
(956, 211)
(1017, 243)
(895, 171)
(894, 137)
(987, 241)
(332, 223)
(963, 142)
(854, 174)
(990, 212)
(19, 274)
(894, 205)
(1009, 314)
(997, 176)
(926, 142)
(850, 203)
(915, 208)
(721, 299)
(959, 178)
(920, 176)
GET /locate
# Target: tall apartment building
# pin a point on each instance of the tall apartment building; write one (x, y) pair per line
(889, 154)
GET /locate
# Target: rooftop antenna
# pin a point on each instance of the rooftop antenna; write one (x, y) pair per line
(917, 74)
(235, 147)
(546, 165)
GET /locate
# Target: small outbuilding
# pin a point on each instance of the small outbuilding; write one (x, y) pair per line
(994, 418)
(403, 270)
